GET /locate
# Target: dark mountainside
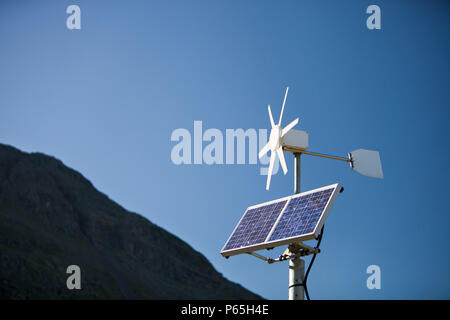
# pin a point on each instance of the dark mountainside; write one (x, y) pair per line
(52, 217)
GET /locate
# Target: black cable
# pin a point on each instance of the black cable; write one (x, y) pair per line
(312, 261)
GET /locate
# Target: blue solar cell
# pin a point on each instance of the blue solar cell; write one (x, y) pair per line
(255, 225)
(301, 215)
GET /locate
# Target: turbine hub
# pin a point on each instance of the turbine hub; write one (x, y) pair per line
(275, 137)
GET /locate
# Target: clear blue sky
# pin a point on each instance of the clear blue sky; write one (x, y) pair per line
(105, 100)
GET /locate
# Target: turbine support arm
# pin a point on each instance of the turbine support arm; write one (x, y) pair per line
(298, 150)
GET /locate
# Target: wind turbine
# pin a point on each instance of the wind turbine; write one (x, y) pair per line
(365, 162)
(275, 143)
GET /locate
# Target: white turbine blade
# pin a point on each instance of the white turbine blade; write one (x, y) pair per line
(269, 172)
(264, 150)
(270, 116)
(282, 161)
(289, 127)
(282, 108)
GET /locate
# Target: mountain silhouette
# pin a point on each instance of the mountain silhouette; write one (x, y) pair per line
(52, 217)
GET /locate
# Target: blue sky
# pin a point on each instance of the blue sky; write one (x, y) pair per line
(105, 100)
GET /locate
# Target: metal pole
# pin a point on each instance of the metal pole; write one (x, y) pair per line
(296, 275)
(297, 173)
(296, 265)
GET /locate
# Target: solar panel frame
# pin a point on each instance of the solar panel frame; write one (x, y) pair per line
(294, 239)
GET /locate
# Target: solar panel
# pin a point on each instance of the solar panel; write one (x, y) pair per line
(283, 221)
(255, 225)
(301, 215)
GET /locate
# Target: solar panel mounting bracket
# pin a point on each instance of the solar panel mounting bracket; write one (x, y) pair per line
(300, 249)
(268, 260)
(259, 256)
(292, 251)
